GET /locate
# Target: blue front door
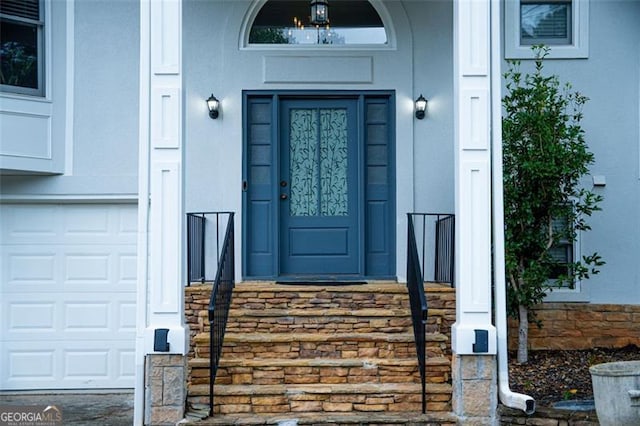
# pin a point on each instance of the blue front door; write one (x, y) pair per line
(319, 188)
(318, 185)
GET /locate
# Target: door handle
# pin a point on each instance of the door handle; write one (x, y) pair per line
(283, 196)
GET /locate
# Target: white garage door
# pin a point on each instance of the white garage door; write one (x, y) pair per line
(67, 308)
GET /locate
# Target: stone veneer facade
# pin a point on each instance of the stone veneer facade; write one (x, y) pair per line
(319, 358)
(440, 299)
(571, 326)
(165, 389)
(475, 391)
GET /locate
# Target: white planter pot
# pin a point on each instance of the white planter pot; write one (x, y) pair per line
(616, 391)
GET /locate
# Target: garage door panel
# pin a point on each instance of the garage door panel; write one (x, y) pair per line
(86, 316)
(29, 223)
(25, 363)
(88, 221)
(126, 316)
(93, 224)
(38, 267)
(68, 296)
(127, 224)
(98, 269)
(127, 268)
(52, 316)
(84, 363)
(90, 268)
(31, 317)
(69, 269)
(60, 365)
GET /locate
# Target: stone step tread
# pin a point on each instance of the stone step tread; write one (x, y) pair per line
(322, 312)
(389, 287)
(377, 287)
(318, 362)
(334, 389)
(249, 314)
(327, 418)
(287, 337)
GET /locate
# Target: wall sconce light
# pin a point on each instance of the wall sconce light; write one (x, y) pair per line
(319, 12)
(214, 106)
(421, 107)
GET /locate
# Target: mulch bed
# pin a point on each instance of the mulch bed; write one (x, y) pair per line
(555, 375)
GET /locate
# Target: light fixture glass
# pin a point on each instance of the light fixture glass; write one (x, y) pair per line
(319, 12)
(214, 105)
(421, 107)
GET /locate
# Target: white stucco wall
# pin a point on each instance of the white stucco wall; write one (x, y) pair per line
(103, 137)
(610, 77)
(418, 60)
(106, 56)
(432, 24)
(99, 156)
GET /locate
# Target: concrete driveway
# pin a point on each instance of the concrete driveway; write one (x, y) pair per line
(109, 408)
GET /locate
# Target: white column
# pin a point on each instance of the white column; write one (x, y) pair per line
(160, 205)
(472, 89)
(164, 175)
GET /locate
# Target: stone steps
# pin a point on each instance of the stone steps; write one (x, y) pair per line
(269, 307)
(307, 295)
(310, 398)
(320, 320)
(346, 352)
(321, 345)
(329, 419)
(323, 370)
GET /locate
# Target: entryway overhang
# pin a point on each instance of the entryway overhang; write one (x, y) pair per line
(476, 111)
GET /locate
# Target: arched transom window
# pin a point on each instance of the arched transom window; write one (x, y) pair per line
(288, 22)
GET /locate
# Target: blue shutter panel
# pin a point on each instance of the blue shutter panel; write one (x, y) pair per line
(259, 176)
(379, 189)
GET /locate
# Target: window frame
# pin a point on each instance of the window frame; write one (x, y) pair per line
(565, 293)
(578, 48)
(42, 58)
(377, 5)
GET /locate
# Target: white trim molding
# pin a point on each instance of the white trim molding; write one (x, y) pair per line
(36, 128)
(577, 49)
(70, 75)
(473, 37)
(160, 182)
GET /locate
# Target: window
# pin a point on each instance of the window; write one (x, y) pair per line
(547, 22)
(562, 251)
(22, 47)
(286, 22)
(560, 24)
(565, 253)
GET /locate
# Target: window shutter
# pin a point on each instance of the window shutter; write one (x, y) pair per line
(29, 9)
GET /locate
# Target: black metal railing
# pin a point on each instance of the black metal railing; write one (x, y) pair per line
(442, 269)
(219, 304)
(200, 244)
(435, 241)
(222, 284)
(195, 248)
(419, 311)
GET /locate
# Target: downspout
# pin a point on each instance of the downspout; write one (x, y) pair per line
(507, 396)
(139, 408)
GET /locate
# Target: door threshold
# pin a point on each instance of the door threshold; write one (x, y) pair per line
(322, 281)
